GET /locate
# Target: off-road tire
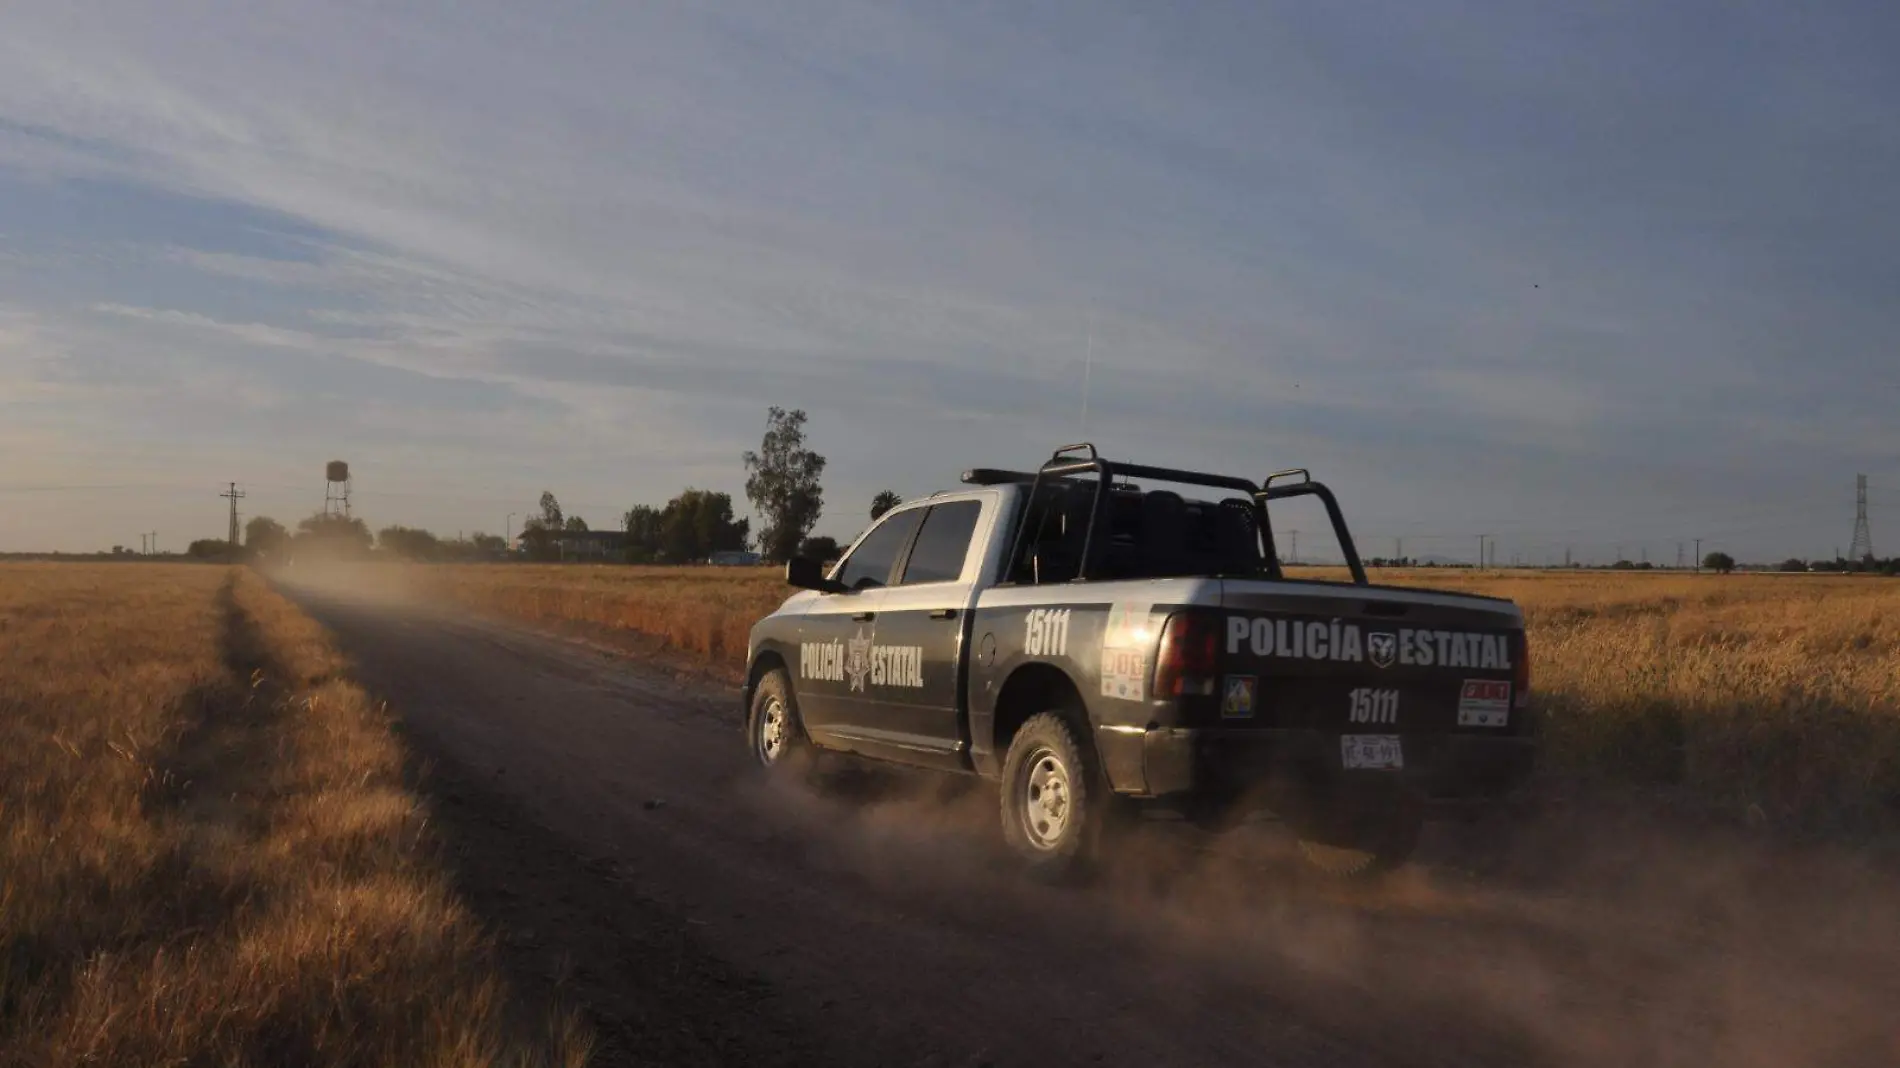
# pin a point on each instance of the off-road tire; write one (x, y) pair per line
(775, 734)
(1055, 804)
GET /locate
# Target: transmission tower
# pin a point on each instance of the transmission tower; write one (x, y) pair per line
(1863, 546)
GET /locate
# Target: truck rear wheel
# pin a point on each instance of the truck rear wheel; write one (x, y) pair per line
(773, 729)
(1053, 808)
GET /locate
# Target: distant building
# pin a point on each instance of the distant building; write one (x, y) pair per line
(589, 544)
(735, 558)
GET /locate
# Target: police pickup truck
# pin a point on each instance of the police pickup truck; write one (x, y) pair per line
(1100, 647)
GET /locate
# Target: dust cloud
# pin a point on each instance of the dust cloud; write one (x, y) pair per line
(385, 584)
(1568, 939)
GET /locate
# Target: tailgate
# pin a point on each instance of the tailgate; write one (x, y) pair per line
(1352, 660)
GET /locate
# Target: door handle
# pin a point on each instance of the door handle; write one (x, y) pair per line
(863, 617)
(944, 613)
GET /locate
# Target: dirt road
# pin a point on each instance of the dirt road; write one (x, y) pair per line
(607, 818)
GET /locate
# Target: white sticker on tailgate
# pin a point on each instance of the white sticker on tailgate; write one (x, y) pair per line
(1370, 751)
(1484, 703)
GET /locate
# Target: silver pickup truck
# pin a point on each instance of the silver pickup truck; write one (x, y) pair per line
(1099, 647)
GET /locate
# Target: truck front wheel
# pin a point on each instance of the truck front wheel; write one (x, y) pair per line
(1053, 806)
(773, 728)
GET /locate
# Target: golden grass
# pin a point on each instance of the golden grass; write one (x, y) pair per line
(207, 854)
(705, 612)
(1769, 697)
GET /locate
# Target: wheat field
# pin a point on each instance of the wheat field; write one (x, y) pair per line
(207, 851)
(1767, 698)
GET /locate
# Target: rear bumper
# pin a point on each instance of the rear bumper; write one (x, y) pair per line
(1163, 761)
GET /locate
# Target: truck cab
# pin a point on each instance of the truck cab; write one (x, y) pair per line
(1100, 646)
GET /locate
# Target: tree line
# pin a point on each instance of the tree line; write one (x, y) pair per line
(266, 540)
(783, 484)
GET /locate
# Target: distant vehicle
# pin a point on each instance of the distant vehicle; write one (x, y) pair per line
(734, 558)
(1103, 651)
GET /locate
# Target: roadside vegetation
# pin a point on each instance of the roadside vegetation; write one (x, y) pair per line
(207, 852)
(703, 612)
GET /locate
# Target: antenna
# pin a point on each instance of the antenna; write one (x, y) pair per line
(1088, 364)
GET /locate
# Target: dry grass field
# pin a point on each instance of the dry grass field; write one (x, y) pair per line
(207, 852)
(1770, 699)
(705, 612)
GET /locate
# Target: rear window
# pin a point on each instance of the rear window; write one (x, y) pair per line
(1153, 534)
(943, 543)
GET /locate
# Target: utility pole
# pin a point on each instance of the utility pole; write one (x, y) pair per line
(1678, 556)
(1481, 538)
(233, 495)
(1566, 556)
(1698, 556)
(153, 551)
(508, 532)
(1295, 547)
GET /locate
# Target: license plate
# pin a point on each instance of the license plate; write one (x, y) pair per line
(1371, 751)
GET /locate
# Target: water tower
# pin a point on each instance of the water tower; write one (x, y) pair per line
(336, 491)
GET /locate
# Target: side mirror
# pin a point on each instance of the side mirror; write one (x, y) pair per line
(808, 574)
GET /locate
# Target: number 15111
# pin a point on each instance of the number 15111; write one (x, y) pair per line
(1374, 706)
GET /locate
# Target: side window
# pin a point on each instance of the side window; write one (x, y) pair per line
(943, 543)
(869, 565)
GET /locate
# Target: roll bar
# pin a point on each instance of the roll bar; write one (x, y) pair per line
(1083, 458)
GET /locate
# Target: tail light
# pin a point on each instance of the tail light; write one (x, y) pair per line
(1188, 662)
(1521, 676)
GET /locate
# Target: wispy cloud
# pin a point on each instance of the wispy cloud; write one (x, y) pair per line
(1467, 263)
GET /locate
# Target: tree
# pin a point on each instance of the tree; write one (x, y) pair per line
(208, 549)
(1719, 562)
(645, 533)
(822, 549)
(550, 512)
(265, 537)
(334, 535)
(408, 542)
(782, 483)
(537, 539)
(576, 524)
(692, 526)
(1793, 564)
(884, 502)
(699, 523)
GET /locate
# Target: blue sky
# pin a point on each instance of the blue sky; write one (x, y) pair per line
(1598, 281)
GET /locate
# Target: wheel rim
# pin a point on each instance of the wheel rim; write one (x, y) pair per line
(1046, 799)
(774, 726)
